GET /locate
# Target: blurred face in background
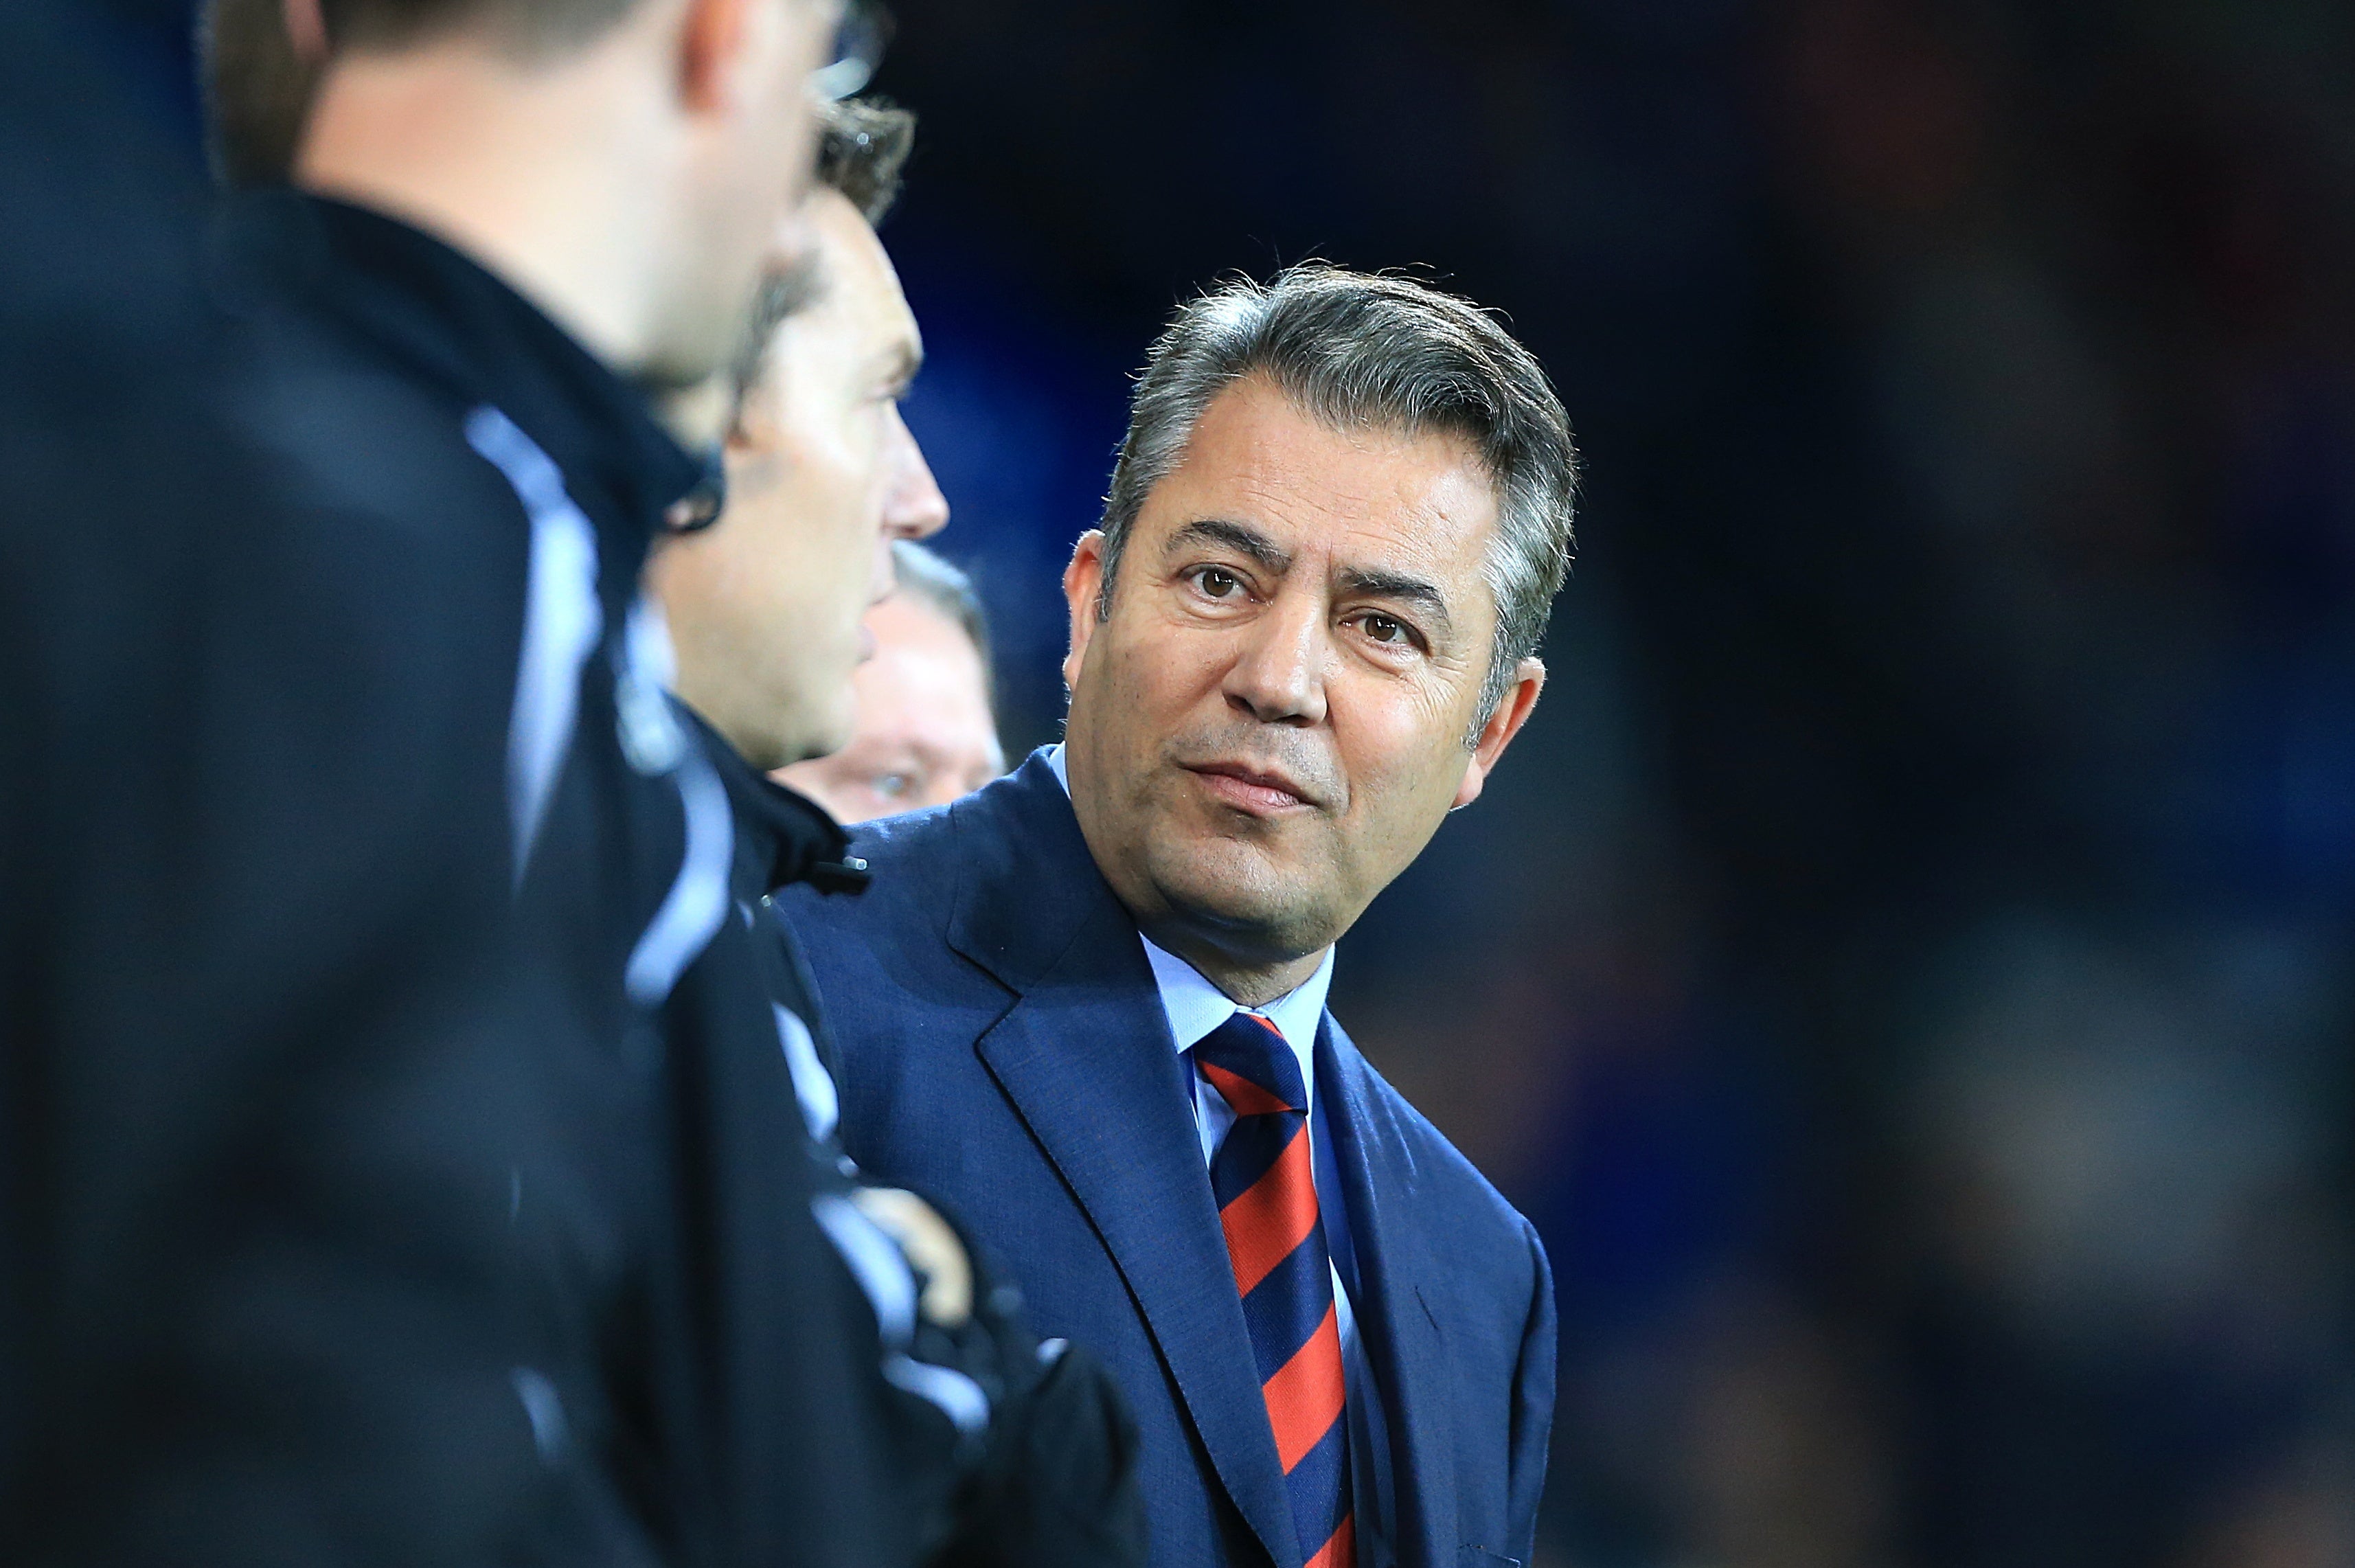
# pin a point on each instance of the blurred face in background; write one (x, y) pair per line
(1270, 723)
(925, 734)
(765, 605)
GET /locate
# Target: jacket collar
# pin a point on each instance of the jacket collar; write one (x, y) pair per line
(453, 323)
(782, 837)
(1031, 883)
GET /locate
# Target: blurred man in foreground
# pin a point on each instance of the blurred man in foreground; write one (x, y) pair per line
(1087, 1003)
(388, 1201)
(1003, 1457)
(553, 209)
(957, 1444)
(926, 732)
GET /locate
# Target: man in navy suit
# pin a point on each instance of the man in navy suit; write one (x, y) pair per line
(1086, 1005)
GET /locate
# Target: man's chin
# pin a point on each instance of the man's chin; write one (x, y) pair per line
(821, 741)
(1241, 890)
(785, 738)
(813, 708)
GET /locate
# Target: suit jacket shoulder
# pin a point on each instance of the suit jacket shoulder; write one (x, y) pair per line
(913, 971)
(937, 926)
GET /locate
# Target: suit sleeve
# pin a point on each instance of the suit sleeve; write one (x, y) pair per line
(1533, 1397)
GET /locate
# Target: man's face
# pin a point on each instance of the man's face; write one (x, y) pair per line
(764, 606)
(925, 734)
(1270, 725)
(751, 145)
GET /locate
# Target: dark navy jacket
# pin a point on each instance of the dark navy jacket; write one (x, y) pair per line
(1003, 1048)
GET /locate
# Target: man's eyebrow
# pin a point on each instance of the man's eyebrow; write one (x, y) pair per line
(900, 364)
(787, 288)
(1235, 536)
(1401, 589)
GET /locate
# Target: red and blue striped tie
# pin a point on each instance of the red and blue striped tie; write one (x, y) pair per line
(1267, 1206)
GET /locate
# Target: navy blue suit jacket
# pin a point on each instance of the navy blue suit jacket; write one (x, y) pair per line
(1003, 1048)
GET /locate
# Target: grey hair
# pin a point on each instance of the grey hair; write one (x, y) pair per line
(945, 589)
(1359, 351)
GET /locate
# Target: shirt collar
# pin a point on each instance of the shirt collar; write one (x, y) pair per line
(1195, 1007)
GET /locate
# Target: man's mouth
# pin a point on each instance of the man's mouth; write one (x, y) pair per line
(1254, 790)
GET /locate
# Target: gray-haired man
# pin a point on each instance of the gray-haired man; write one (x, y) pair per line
(1086, 1004)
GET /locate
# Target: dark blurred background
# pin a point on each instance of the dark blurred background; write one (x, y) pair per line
(1905, 967)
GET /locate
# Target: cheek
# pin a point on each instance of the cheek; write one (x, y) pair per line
(827, 536)
(1403, 753)
(1165, 671)
(728, 588)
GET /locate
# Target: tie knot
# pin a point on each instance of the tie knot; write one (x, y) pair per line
(1249, 1061)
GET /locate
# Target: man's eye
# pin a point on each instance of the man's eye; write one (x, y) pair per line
(1383, 629)
(1217, 582)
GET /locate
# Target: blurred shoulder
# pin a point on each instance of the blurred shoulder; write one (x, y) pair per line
(345, 429)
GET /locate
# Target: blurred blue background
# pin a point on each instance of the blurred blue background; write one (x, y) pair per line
(1905, 967)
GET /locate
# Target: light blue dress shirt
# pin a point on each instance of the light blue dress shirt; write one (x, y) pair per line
(1195, 1008)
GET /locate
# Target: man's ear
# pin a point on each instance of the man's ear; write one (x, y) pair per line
(1083, 582)
(702, 415)
(306, 31)
(1520, 700)
(713, 39)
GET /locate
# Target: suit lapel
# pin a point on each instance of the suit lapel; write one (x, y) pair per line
(1401, 1340)
(1085, 1055)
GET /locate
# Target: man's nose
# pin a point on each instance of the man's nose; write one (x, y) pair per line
(914, 507)
(1278, 676)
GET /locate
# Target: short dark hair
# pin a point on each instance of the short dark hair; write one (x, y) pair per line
(947, 590)
(1360, 349)
(257, 90)
(862, 148)
(528, 29)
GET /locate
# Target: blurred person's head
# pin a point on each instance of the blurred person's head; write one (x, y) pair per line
(1308, 628)
(626, 164)
(926, 734)
(823, 475)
